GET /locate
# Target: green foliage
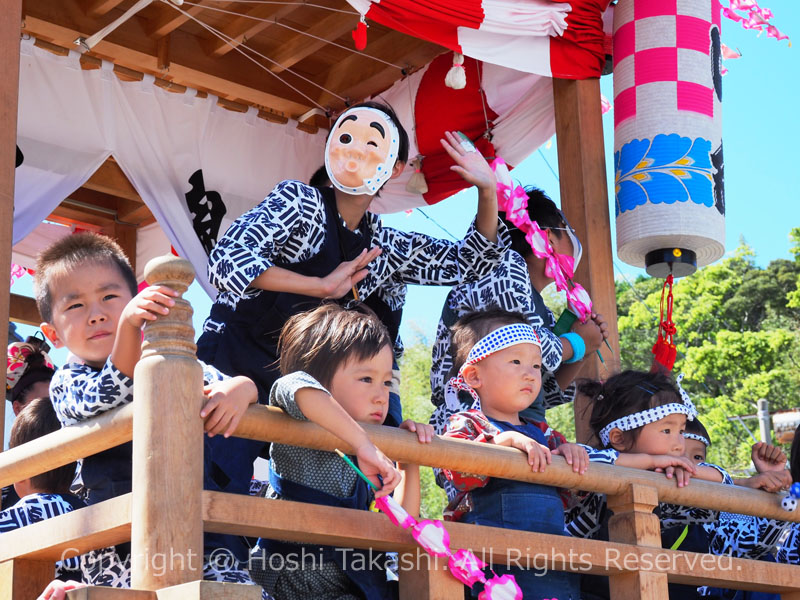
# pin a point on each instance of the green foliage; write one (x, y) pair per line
(415, 391)
(738, 334)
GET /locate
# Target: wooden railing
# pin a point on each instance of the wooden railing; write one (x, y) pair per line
(165, 515)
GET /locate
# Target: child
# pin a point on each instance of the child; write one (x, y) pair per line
(86, 293)
(502, 373)
(641, 417)
(337, 370)
(789, 550)
(515, 285)
(43, 496)
(740, 536)
(28, 374)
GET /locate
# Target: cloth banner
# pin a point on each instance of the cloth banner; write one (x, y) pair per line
(554, 39)
(196, 165)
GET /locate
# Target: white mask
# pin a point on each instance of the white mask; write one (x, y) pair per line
(361, 151)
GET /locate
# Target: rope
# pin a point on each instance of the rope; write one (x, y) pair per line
(238, 47)
(300, 31)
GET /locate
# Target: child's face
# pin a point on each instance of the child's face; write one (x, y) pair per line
(664, 436)
(362, 387)
(87, 303)
(695, 451)
(508, 380)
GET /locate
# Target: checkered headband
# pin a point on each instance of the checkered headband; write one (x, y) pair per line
(651, 415)
(499, 339)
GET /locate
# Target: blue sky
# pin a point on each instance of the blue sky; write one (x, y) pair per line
(761, 130)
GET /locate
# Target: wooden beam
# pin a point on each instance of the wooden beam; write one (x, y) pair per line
(348, 528)
(232, 76)
(210, 590)
(24, 579)
(66, 445)
(300, 45)
(104, 524)
(107, 593)
(98, 8)
(244, 27)
(126, 238)
(23, 310)
(271, 424)
(109, 179)
(584, 199)
(10, 19)
(166, 19)
(429, 577)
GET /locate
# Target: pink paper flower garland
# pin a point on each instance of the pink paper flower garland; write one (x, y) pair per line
(463, 564)
(757, 18)
(513, 200)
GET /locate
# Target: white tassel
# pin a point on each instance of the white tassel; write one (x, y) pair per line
(456, 76)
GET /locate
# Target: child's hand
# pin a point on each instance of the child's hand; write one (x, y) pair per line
(767, 457)
(601, 323)
(538, 456)
(149, 304)
(769, 481)
(575, 455)
(57, 590)
(470, 164)
(590, 333)
(342, 279)
(679, 467)
(226, 403)
(423, 430)
(373, 462)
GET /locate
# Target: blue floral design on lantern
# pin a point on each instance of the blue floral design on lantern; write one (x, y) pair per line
(667, 169)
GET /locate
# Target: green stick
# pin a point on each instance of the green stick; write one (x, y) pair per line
(360, 473)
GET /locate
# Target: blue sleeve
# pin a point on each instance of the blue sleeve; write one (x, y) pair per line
(79, 392)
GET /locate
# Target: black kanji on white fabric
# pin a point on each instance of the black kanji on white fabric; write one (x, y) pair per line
(207, 210)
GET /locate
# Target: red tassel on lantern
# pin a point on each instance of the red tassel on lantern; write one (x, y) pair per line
(360, 35)
(664, 349)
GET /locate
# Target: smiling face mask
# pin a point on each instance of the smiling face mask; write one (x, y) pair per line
(361, 151)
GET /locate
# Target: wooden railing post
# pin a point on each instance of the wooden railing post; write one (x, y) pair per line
(22, 579)
(428, 577)
(167, 520)
(635, 523)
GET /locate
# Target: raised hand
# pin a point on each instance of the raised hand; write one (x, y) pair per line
(342, 279)
(472, 167)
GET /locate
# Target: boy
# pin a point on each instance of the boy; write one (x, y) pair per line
(86, 293)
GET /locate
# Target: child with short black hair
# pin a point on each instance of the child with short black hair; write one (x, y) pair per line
(87, 295)
(500, 370)
(337, 371)
(46, 495)
(789, 550)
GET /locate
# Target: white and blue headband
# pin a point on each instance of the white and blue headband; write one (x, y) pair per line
(651, 415)
(499, 339)
(696, 436)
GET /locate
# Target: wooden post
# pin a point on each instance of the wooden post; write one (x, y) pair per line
(584, 199)
(167, 521)
(428, 578)
(24, 579)
(10, 20)
(634, 523)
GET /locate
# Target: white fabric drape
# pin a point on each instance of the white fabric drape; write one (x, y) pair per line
(71, 120)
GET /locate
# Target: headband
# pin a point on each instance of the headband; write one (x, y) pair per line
(651, 415)
(383, 172)
(698, 437)
(499, 339)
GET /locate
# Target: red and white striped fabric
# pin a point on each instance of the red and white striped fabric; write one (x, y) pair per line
(545, 37)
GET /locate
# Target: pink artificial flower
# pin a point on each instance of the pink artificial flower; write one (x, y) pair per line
(466, 567)
(733, 16)
(503, 587)
(396, 513)
(723, 70)
(773, 32)
(743, 4)
(537, 239)
(753, 23)
(605, 104)
(433, 537)
(579, 303)
(728, 53)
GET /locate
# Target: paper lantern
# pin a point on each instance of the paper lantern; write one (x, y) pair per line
(670, 203)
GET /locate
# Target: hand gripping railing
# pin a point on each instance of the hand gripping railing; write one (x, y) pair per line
(167, 512)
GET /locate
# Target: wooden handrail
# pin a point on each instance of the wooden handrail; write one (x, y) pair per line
(270, 423)
(67, 445)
